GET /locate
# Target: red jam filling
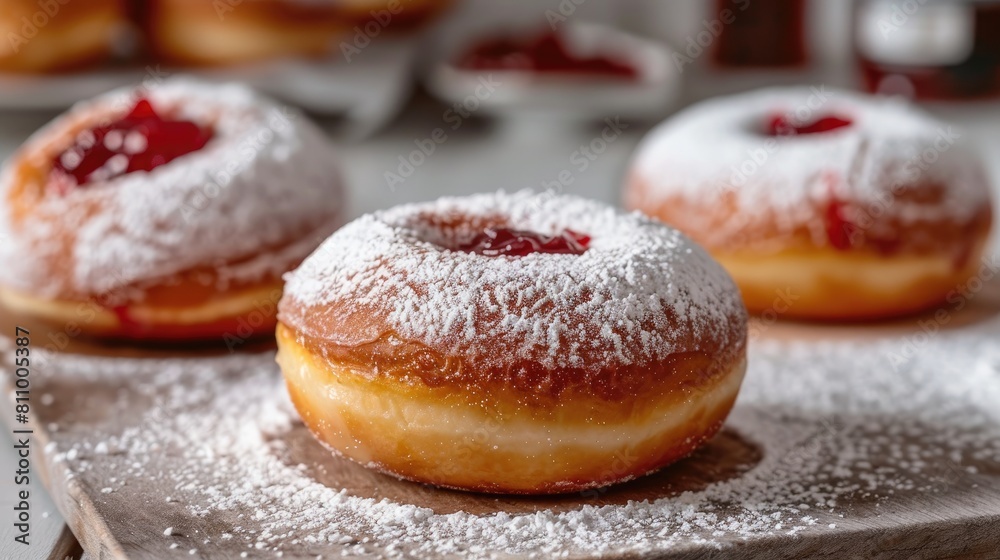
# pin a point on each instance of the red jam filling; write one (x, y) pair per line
(141, 141)
(546, 53)
(781, 125)
(495, 242)
(838, 228)
(844, 234)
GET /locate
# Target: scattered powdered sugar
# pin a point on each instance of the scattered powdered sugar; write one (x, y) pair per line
(640, 292)
(851, 436)
(266, 180)
(716, 149)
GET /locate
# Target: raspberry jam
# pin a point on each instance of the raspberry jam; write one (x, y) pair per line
(495, 242)
(140, 141)
(546, 53)
(780, 125)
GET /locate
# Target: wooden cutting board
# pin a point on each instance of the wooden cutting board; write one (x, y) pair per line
(129, 502)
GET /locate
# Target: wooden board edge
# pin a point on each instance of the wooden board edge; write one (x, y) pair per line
(72, 502)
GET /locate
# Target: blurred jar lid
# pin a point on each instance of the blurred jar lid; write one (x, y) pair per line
(917, 32)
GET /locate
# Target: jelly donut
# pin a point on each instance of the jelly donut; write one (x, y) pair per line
(167, 213)
(58, 35)
(822, 204)
(196, 32)
(511, 343)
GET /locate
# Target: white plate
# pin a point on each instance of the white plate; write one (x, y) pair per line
(520, 93)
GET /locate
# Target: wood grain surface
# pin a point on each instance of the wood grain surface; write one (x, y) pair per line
(960, 520)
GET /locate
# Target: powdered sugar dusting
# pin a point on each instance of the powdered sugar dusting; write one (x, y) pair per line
(851, 436)
(641, 292)
(266, 180)
(716, 149)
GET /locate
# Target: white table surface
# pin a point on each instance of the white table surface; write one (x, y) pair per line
(480, 156)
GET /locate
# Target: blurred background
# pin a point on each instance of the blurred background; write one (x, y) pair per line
(382, 76)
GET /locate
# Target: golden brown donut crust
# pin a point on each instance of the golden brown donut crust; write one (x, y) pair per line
(876, 231)
(524, 382)
(460, 431)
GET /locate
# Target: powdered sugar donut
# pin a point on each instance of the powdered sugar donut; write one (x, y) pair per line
(511, 343)
(827, 204)
(167, 212)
